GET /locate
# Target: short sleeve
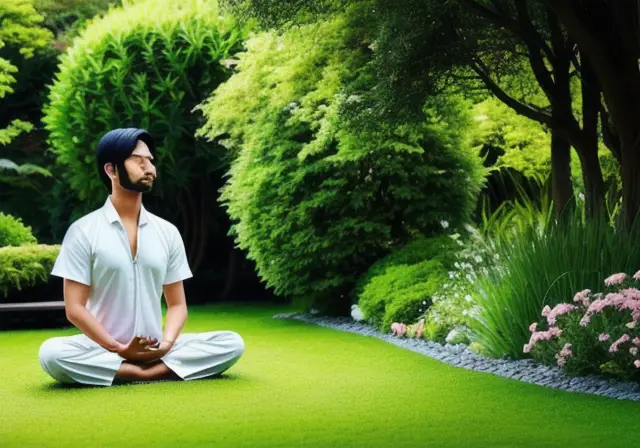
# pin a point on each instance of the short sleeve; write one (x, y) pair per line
(74, 258)
(178, 265)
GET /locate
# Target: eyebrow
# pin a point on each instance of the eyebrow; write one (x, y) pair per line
(144, 156)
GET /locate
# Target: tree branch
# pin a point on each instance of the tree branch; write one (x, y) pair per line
(507, 23)
(520, 108)
(530, 35)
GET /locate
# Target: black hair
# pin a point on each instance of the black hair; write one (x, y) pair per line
(116, 146)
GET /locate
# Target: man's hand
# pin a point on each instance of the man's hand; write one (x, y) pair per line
(142, 348)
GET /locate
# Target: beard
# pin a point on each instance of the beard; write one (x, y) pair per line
(127, 184)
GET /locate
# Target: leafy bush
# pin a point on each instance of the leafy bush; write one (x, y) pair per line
(314, 200)
(596, 334)
(401, 293)
(546, 265)
(145, 65)
(13, 232)
(26, 266)
(375, 291)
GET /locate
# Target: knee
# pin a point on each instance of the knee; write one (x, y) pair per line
(49, 355)
(238, 344)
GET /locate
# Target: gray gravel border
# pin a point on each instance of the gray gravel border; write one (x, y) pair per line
(460, 355)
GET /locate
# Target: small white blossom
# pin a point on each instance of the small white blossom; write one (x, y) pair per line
(444, 224)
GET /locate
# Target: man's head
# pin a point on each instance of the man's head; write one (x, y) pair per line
(125, 158)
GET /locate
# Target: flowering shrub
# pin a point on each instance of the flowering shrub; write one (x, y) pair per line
(454, 304)
(598, 333)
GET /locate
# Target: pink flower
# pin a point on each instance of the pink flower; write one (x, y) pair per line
(527, 348)
(637, 363)
(566, 351)
(546, 310)
(561, 361)
(398, 329)
(583, 297)
(614, 347)
(636, 276)
(559, 310)
(420, 329)
(615, 279)
(636, 341)
(533, 326)
(603, 336)
(542, 336)
(633, 351)
(585, 320)
(631, 293)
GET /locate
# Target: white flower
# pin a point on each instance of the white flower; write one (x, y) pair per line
(581, 196)
(424, 302)
(444, 224)
(356, 313)
(468, 298)
(478, 259)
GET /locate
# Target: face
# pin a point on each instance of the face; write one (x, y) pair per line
(140, 171)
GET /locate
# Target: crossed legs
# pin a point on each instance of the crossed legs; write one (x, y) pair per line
(130, 371)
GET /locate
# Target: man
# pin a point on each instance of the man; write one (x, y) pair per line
(116, 263)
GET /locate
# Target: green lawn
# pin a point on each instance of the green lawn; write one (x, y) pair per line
(300, 385)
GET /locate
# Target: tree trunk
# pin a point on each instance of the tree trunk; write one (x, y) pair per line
(561, 118)
(607, 33)
(630, 174)
(591, 171)
(561, 185)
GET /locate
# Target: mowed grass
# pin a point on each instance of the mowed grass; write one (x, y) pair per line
(301, 385)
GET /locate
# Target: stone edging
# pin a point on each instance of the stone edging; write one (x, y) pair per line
(525, 370)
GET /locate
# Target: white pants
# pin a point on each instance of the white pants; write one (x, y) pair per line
(78, 359)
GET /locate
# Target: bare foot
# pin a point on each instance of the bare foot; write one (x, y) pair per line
(130, 371)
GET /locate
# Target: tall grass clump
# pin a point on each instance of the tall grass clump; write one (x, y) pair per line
(545, 264)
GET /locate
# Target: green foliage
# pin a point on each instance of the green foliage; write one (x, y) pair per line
(401, 293)
(315, 201)
(524, 145)
(546, 265)
(25, 266)
(145, 65)
(67, 18)
(19, 28)
(13, 232)
(387, 293)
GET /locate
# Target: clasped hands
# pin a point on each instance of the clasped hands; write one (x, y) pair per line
(144, 348)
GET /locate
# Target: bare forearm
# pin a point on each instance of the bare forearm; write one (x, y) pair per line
(89, 325)
(175, 320)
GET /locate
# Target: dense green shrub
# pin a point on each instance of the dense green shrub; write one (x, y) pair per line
(144, 65)
(13, 232)
(314, 200)
(26, 266)
(401, 293)
(376, 303)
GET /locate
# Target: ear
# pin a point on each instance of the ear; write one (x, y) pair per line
(109, 169)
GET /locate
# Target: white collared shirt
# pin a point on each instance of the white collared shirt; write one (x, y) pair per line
(126, 292)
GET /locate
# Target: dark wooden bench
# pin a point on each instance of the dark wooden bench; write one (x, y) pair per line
(32, 315)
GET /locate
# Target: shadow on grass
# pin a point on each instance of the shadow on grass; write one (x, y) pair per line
(62, 387)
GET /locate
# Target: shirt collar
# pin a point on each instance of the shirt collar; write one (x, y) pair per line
(113, 216)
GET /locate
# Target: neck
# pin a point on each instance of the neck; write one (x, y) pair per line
(127, 204)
